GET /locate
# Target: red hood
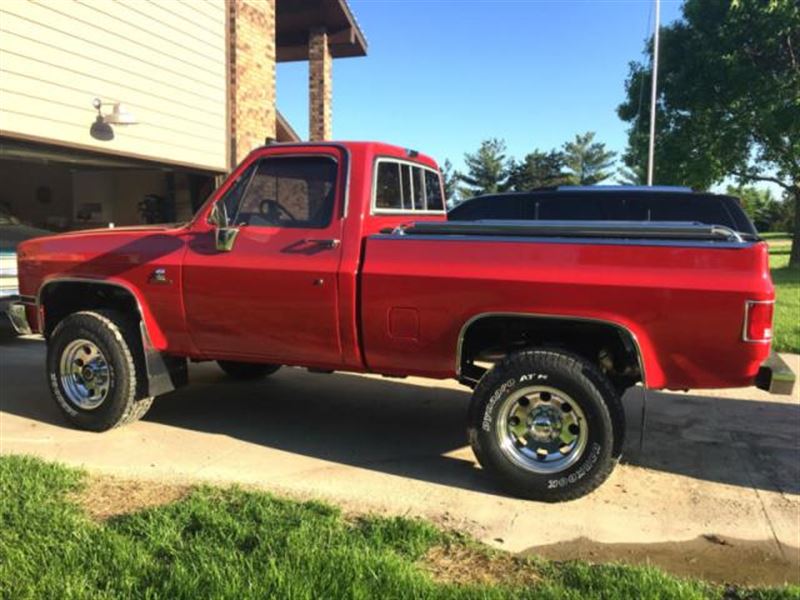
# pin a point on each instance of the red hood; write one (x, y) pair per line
(129, 228)
(99, 253)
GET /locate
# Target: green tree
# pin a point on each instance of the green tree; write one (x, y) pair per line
(450, 178)
(487, 169)
(728, 98)
(587, 161)
(538, 169)
(767, 212)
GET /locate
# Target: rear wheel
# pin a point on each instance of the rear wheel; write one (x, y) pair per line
(540, 425)
(96, 370)
(246, 371)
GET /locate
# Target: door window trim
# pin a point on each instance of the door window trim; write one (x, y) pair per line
(255, 163)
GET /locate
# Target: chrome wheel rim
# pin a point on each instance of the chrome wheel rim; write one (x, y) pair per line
(541, 429)
(85, 374)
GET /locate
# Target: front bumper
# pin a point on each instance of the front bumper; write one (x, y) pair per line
(19, 318)
(775, 376)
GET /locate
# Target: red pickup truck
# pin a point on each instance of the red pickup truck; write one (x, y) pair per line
(338, 256)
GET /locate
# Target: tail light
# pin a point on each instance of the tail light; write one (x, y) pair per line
(758, 320)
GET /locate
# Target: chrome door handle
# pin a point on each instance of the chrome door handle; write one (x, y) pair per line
(330, 244)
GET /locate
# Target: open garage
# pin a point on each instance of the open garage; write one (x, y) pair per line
(60, 189)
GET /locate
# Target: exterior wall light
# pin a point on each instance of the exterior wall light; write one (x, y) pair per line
(119, 115)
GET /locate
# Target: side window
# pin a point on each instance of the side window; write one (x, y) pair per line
(433, 191)
(710, 212)
(388, 193)
(288, 192)
(468, 210)
(418, 189)
(488, 208)
(571, 208)
(404, 187)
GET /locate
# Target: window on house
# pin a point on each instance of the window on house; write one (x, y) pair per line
(408, 188)
(288, 192)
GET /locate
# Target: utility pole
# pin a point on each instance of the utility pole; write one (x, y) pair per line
(653, 96)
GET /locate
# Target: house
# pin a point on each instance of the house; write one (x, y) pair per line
(128, 111)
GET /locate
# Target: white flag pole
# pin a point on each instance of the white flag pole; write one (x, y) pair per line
(653, 96)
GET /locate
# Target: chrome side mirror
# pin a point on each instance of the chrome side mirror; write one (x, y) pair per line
(218, 216)
(224, 233)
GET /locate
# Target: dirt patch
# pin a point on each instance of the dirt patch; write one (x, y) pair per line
(458, 563)
(710, 557)
(105, 496)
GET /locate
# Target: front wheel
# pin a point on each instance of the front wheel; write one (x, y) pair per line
(96, 370)
(540, 424)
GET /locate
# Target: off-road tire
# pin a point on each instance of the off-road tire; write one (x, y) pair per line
(576, 377)
(117, 335)
(246, 371)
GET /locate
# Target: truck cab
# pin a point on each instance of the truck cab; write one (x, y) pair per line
(282, 242)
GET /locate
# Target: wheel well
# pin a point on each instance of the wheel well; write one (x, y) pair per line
(62, 298)
(612, 348)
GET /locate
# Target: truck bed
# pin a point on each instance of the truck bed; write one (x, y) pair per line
(682, 298)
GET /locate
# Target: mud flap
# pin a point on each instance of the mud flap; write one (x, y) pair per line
(165, 373)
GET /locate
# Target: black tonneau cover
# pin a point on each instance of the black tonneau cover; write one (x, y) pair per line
(595, 229)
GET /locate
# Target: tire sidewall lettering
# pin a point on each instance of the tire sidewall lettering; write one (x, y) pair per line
(585, 466)
(531, 377)
(498, 394)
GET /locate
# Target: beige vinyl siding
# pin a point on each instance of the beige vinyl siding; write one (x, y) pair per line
(164, 59)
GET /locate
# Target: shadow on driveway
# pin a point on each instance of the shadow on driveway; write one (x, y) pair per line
(408, 429)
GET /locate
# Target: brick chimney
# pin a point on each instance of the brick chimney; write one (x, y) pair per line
(251, 76)
(320, 86)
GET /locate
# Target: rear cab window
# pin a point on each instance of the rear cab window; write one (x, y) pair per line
(403, 187)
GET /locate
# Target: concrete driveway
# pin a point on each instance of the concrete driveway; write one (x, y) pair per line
(721, 468)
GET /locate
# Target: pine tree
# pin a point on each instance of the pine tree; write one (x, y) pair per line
(450, 178)
(487, 169)
(538, 169)
(587, 161)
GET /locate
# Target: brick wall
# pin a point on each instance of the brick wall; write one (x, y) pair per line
(320, 86)
(252, 74)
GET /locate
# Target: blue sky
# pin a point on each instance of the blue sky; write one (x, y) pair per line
(442, 75)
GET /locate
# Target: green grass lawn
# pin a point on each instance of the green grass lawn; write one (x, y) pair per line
(787, 286)
(231, 543)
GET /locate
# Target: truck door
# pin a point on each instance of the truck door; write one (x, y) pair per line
(273, 295)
